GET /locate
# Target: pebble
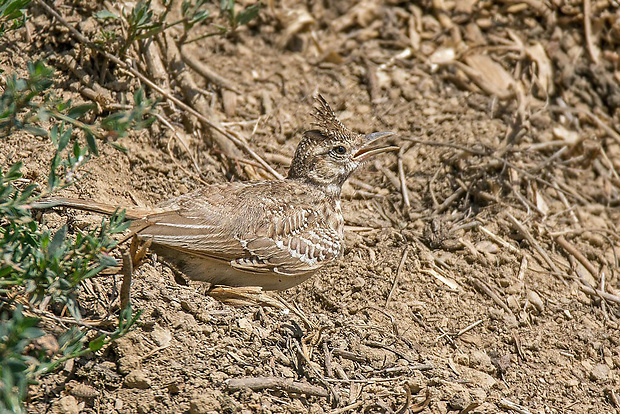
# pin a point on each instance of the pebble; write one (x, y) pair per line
(599, 373)
(480, 360)
(246, 326)
(66, 405)
(128, 363)
(84, 391)
(204, 404)
(535, 300)
(161, 336)
(137, 379)
(459, 398)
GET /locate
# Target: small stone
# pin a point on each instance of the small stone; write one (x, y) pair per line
(358, 283)
(480, 360)
(128, 363)
(459, 400)
(204, 404)
(183, 320)
(66, 405)
(513, 303)
(245, 325)
(535, 300)
(161, 336)
(478, 377)
(472, 339)
(514, 288)
(599, 373)
(137, 379)
(478, 395)
(182, 188)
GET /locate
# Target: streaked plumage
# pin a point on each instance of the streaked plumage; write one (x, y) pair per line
(273, 234)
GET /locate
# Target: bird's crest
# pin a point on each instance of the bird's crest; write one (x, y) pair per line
(327, 122)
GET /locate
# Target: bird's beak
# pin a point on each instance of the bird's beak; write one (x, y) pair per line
(366, 151)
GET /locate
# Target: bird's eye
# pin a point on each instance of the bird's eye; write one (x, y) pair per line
(340, 150)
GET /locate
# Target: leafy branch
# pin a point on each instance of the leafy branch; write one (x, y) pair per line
(38, 266)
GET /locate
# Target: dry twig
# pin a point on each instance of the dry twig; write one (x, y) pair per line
(599, 293)
(528, 236)
(578, 255)
(486, 289)
(504, 403)
(127, 67)
(402, 178)
(284, 384)
(206, 72)
(587, 26)
(127, 276)
(403, 259)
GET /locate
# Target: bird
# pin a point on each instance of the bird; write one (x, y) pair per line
(272, 234)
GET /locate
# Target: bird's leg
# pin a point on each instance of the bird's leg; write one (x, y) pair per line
(137, 250)
(127, 278)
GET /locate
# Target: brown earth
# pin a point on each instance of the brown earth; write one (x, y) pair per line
(474, 299)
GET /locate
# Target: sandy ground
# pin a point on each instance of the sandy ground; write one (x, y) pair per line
(472, 299)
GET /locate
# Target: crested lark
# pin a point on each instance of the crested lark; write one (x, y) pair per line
(272, 234)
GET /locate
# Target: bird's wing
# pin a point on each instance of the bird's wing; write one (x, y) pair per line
(269, 237)
(292, 242)
(202, 235)
(200, 223)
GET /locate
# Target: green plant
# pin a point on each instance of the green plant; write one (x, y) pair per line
(22, 362)
(235, 19)
(141, 22)
(12, 14)
(31, 103)
(39, 266)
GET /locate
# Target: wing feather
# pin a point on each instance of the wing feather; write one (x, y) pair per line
(272, 236)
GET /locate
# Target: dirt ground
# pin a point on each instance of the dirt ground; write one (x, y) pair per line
(495, 290)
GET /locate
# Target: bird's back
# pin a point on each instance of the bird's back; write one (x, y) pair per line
(286, 229)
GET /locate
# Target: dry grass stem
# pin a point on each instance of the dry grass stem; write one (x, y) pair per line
(504, 403)
(528, 236)
(490, 293)
(399, 270)
(283, 384)
(566, 245)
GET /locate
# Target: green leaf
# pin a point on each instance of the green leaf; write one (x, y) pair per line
(64, 138)
(32, 332)
(226, 5)
(79, 111)
(57, 240)
(97, 343)
(118, 147)
(14, 171)
(248, 14)
(105, 14)
(12, 8)
(92, 144)
(77, 150)
(107, 261)
(54, 135)
(35, 130)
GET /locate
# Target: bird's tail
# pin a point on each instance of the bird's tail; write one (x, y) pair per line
(131, 213)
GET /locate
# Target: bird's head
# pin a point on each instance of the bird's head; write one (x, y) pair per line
(328, 154)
